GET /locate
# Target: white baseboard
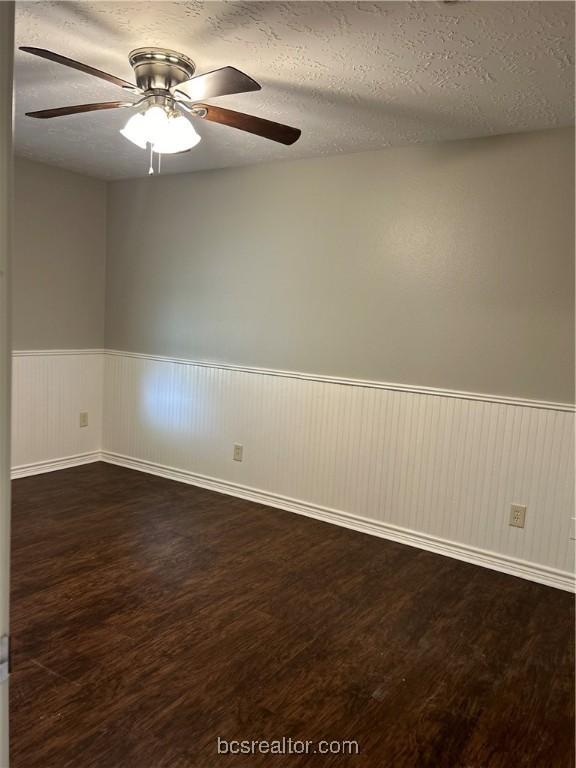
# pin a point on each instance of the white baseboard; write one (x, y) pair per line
(526, 570)
(39, 467)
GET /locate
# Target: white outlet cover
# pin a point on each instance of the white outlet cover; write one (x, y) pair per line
(517, 515)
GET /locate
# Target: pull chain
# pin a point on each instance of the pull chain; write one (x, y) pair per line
(158, 163)
(151, 168)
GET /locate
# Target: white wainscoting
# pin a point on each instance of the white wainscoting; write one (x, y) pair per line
(49, 389)
(430, 468)
(433, 469)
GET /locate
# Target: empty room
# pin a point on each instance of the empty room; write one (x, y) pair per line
(287, 384)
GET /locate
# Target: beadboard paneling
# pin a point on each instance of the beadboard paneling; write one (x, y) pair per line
(430, 468)
(49, 389)
(446, 467)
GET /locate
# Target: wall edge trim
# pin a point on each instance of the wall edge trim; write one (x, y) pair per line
(492, 560)
(51, 465)
(342, 381)
(504, 564)
(366, 383)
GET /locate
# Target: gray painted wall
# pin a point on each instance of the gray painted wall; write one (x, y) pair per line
(59, 259)
(447, 265)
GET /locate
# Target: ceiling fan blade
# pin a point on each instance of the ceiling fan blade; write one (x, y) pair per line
(220, 82)
(75, 110)
(51, 56)
(284, 134)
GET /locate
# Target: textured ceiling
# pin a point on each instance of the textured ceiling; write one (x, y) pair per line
(352, 75)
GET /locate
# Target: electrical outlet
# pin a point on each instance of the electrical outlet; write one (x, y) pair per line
(83, 418)
(238, 451)
(517, 515)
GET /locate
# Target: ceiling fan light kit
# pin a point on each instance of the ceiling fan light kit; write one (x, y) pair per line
(167, 131)
(168, 91)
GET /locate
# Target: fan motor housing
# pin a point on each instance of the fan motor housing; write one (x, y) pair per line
(160, 68)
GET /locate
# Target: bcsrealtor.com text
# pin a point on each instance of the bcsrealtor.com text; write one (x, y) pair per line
(287, 746)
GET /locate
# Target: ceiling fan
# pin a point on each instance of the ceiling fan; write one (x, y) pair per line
(168, 93)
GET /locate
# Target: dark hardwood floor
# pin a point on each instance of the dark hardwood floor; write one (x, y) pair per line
(151, 617)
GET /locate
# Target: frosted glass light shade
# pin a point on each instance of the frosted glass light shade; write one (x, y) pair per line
(135, 130)
(177, 136)
(166, 134)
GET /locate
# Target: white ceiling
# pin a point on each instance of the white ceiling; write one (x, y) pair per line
(352, 75)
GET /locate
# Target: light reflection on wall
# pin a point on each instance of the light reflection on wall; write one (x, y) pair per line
(168, 402)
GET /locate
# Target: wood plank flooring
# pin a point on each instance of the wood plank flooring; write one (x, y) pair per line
(151, 617)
